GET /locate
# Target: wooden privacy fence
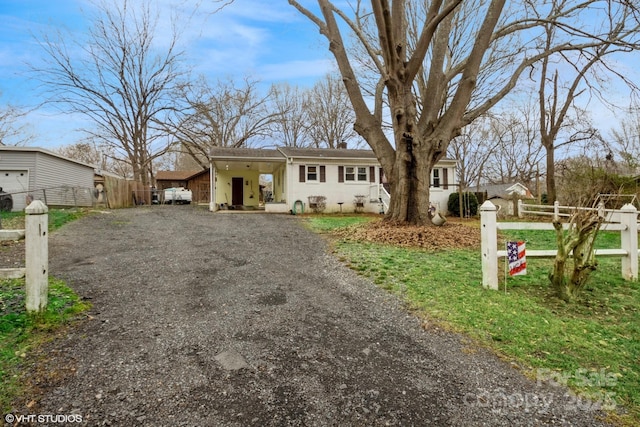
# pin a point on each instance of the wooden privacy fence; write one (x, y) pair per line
(36, 271)
(623, 220)
(119, 193)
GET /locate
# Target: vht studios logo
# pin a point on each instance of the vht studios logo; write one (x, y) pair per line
(43, 418)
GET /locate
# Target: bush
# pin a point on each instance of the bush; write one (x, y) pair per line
(469, 204)
(317, 203)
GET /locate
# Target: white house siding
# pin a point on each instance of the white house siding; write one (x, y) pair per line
(340, 193)
(344, 192)
(30, 170)
(279, 183)
(439, 195)
(336, 192)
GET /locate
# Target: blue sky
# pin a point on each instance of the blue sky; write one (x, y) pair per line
(267, 40)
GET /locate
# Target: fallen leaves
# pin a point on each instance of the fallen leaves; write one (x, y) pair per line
(447, 236)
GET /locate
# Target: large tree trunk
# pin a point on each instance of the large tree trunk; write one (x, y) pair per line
(410, 182)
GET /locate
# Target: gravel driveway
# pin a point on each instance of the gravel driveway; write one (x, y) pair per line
(204, 319)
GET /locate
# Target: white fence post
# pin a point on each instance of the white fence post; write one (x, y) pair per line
(489, 245)
(520, 208)
(37, 255)
(629, 240)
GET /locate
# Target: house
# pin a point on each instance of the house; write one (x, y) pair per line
(349, 180)
(28, 173)
(504, 196)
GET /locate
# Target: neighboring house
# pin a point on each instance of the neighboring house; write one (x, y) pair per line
(196, 181)
(172, 179)
(35, 173)
(344, 177)
(504, 196)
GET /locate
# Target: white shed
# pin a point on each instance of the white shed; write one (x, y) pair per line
(39, 174)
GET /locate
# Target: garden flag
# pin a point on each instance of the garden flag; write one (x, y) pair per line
(517, 258)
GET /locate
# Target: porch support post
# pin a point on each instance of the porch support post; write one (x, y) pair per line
(212, 186)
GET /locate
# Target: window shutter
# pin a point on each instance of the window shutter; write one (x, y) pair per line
(381, 172)
(445, 178)
(340, 173)
(372, 174)
(323, 175)
(303, 171)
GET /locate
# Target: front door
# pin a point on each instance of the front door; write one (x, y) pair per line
(237, 191)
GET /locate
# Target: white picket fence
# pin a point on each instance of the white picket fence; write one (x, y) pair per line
(36, 271)
(624, 220)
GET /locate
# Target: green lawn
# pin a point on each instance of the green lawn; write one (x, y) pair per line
(20, 332)
(594, 342)
(57, 218)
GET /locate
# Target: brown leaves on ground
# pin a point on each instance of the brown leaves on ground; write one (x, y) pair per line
(448, 236)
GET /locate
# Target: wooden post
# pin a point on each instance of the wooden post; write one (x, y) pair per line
(629, 240)
(489, 245)
(37, 256)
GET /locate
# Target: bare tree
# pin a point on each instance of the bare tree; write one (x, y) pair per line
(290, 128)
(625, 140)
(122, 79)
(473, 149)
(11, 132)
(101, 156)
(586, 69)
(467, 68)
(330, 115)
(85, 152)
(226, 115)
(518, 151)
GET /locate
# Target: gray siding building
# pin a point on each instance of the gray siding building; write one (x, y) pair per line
(35, 173)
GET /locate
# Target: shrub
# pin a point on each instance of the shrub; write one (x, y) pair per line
(469, 204)
(359, 201)
(317, 203)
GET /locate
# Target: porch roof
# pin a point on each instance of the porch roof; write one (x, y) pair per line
(327, 153)
(254, 159)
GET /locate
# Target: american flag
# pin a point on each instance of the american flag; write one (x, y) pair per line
(516, 257)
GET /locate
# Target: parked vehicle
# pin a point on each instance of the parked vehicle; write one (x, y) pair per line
(177, 196)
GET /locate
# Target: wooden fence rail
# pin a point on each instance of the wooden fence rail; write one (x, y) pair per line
(623, 220)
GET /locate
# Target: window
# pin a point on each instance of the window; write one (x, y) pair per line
(362, 174)
(312, 173)
(436, 178)
(349, 173)
(355, 173)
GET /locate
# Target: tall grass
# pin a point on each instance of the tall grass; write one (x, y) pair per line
(21, 332)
